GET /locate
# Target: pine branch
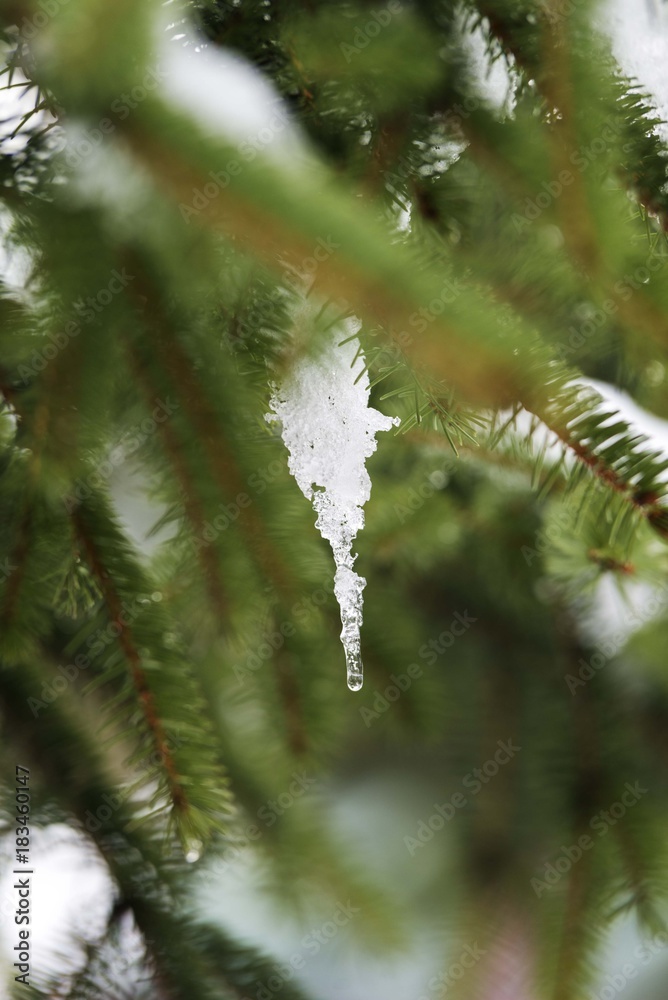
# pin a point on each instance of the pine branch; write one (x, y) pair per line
(599, 439)
(288, 689)
(18, 560)
(524, 40)
(584, 906)
(191, 960)
(126, 640)
(608, 447)
(192, 504)
(189, 771)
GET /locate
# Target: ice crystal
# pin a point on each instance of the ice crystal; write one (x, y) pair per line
(330, 430)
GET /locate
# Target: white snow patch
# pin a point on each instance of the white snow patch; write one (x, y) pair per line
(223, 93)
(495, 81)
(330, 430)
(15, 260)
(656, 428)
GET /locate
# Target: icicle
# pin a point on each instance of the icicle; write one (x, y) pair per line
(330, 430)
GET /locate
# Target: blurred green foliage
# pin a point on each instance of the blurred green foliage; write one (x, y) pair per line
(501, 253)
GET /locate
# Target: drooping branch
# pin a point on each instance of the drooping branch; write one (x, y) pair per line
(646, 495)
(192, 504)
(126, 640)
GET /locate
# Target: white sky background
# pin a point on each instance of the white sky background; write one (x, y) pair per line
(69, 886)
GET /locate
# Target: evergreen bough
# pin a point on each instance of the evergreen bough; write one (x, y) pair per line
(501, 258)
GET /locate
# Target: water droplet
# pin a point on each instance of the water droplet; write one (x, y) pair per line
(193, 850)
(438, 479)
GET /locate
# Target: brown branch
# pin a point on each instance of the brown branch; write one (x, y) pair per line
(126, 641)
(19, 556)
(647, 504)
(579, 887)
(17, 562)
(586, 796)
(193, 507)
(289, 695)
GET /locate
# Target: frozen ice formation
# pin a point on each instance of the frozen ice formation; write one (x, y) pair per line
(330, 430)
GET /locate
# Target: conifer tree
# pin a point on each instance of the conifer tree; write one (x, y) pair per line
(179, 240)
